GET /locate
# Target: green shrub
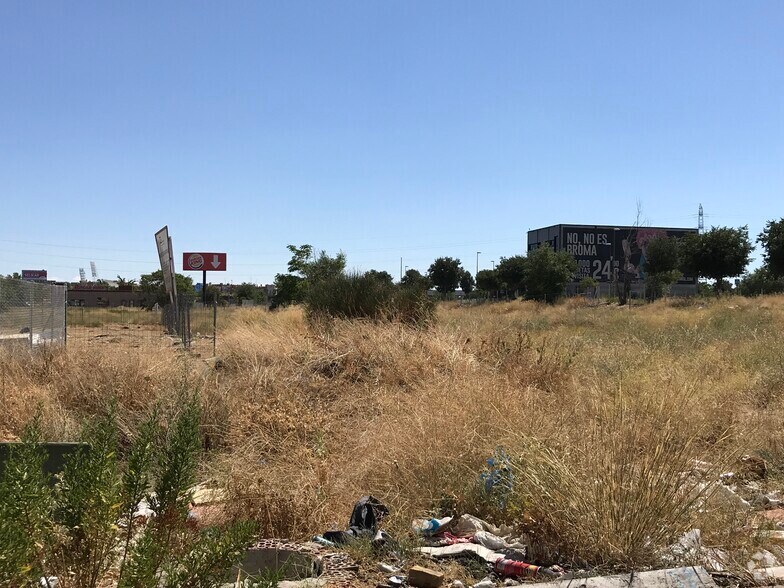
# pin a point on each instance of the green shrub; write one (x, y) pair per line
(588, 284)
(547, 272)
(25, 511)
(412, 306)
(760, 282)
(84, 526)
(357, 295)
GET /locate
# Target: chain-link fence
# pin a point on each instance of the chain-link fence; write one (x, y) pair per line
(195, 323)
(119, 324)
(31, 313)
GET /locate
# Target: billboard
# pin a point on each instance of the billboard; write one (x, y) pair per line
(34, 275)
(600, 251)
(210, 262)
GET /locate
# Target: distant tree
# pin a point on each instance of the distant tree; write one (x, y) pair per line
(467, 282)
(315, 267)
(248, 291)
(306, 268)
(445, 274)
(721, 252)
(487, 281)
(511, 274)
(13, 292)
(154, 291)
(760, 282)
(772, 241)
(288, 290)
(123, 283)
(413, 280)
(662, 259)
(301, 257)
(382, 276)
(547, 272)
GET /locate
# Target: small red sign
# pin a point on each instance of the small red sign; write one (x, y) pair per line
(196, 262)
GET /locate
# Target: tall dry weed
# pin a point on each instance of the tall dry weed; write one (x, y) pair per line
(622, 483)
(301, 422)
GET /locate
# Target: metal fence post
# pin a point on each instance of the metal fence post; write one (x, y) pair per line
(214, 325)
(65, 316)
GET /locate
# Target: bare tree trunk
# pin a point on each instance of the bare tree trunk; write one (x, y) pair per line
(625, 290)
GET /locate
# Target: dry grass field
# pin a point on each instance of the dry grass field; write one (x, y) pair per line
(610, 414)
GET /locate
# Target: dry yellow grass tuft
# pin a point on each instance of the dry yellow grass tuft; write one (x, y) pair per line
(605, 407)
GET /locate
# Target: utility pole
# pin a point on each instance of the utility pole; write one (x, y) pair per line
(477, 262)
(700, 221)
(401, 268)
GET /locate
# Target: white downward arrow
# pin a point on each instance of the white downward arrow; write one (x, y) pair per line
(215, 261)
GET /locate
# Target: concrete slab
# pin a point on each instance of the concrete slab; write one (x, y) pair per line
(687, 577)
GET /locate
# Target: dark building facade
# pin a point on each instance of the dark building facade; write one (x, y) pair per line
(96, 295)
(600, 250)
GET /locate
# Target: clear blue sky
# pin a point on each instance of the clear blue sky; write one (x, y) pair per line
(385, 129)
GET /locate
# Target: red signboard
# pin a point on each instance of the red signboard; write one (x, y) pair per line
(36, 275)
(211, 262)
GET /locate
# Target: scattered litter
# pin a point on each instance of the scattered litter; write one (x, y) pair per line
(428, 527)
(461, 549)
(49, 581)
(204, 494)
(516, 569)
(396, 581)
(447, 538)
(497, 543)
(421, 577)
(769, 575)
(364, 522)
(388, 568)
(690, 548)
(322, 541)
(501, 564)
(689, 545)
(773, 536)
(498, 480)
(380, 539)
(484, 583)
(468, 526)
(762, 559)
(458, 584)
(143, 510)
(724, 493)
(692, 576)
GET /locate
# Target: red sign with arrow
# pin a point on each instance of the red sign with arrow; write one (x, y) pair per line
(204, 262)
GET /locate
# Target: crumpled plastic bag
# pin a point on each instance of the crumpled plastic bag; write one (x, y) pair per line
(496, 543)
(469, 525)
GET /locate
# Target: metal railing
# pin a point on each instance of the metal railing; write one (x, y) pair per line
(31, 313)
